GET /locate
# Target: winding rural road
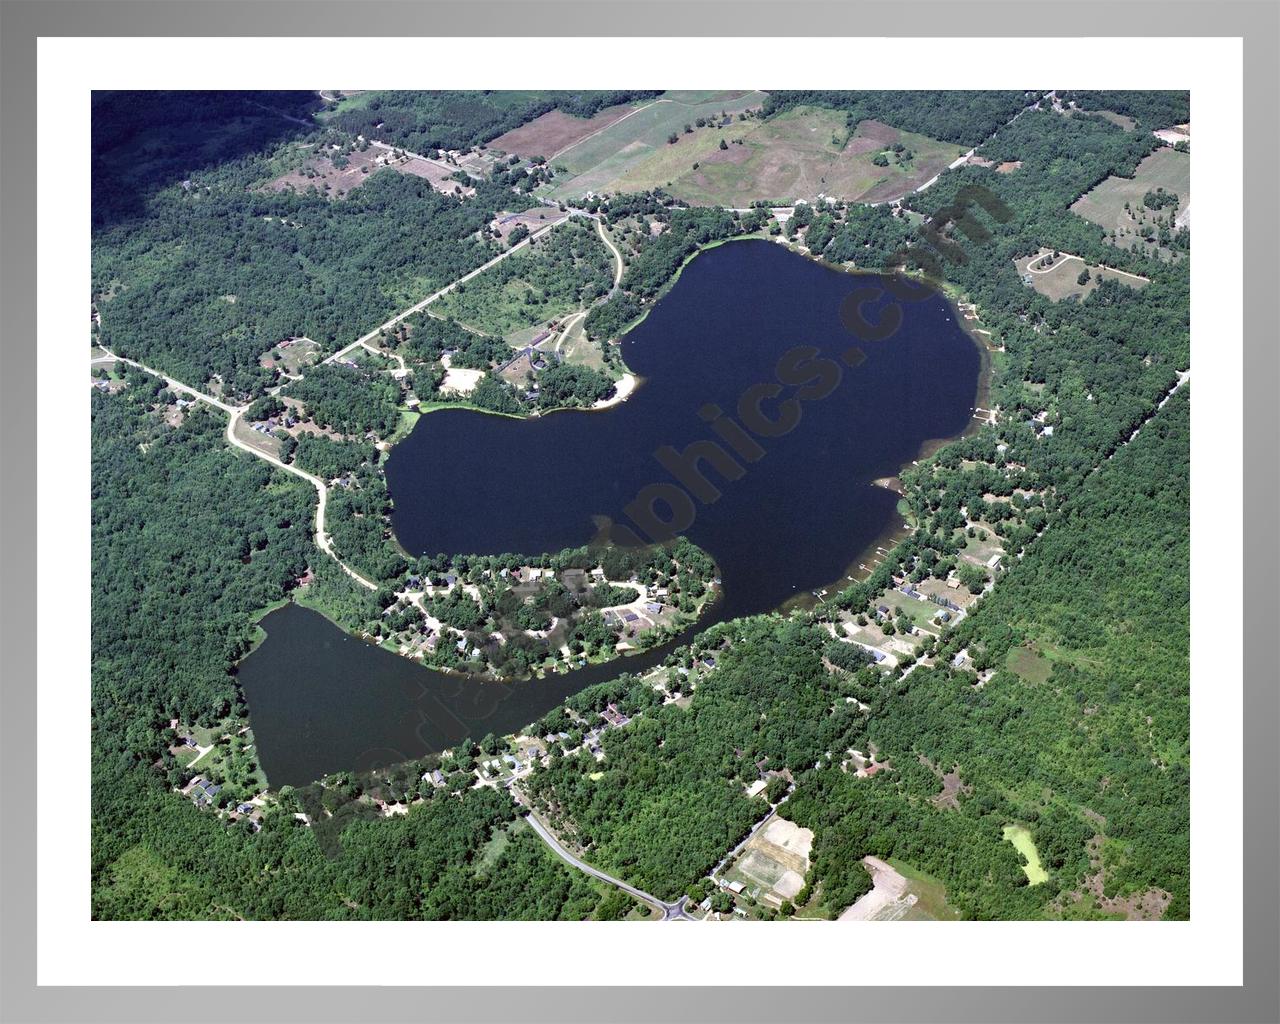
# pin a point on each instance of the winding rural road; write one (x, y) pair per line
(234, 413)
(617, 256)
(419, 306)
(670, 911)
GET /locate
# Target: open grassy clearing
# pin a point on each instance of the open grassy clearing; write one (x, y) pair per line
(292, 355)
(803, 153)
(596, 163)
(1020, 836)
(931, 895)
(798, 155)
(492, 851)
(1028, 663)
(1058, 278)
(559, 274)
(1121, 120)
(1105, 205)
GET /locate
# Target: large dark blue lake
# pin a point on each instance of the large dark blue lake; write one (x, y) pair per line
(756, 432)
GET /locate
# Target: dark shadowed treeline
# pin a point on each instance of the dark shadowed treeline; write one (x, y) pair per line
(458, 119)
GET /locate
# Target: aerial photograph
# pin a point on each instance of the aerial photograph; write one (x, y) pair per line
(705, 506)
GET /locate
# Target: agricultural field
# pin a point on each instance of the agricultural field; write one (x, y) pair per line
(773, 864)
(803, 153)
(1059, 278)
(603, 161)
(1117, 204)
(555, 131)
(559, 274)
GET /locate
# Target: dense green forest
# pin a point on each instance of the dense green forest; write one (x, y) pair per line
(177, 579)
(1152, 108)
(214, 276)
(348, 400)
(422, 121)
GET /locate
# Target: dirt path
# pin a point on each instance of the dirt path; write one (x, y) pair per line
(234, 413)
(419, 306)
(617, 256)
(568, 326)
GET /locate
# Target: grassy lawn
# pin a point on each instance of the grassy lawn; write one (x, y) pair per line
(1104, 205)
(577, 348)
(1062, 279)
(560, 274)
(1028, 664)
(800, 154)
(921, 613)
(1025, 845)
(293, 358)
(931, 895)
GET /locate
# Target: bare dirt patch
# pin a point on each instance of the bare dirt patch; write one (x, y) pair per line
(538, 217)
(555, 131)
(776, 860)
(321, 173)
(889, 900)
(1149, 905)
(458, 380)
(440, 177)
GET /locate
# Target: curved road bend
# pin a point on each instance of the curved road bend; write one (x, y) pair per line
(234, 413)
(617, 256)
(670, 911)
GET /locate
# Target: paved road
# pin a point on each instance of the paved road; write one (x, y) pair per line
(773, 809)
(670, 911)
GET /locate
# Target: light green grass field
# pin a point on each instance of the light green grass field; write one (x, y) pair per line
(1104, 205)
(931, 895)
(596, 162)
(1062, 279)
(1025, 662)
(800, 154)
(1025, 845)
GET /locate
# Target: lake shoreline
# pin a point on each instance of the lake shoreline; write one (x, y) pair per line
(535, 500)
